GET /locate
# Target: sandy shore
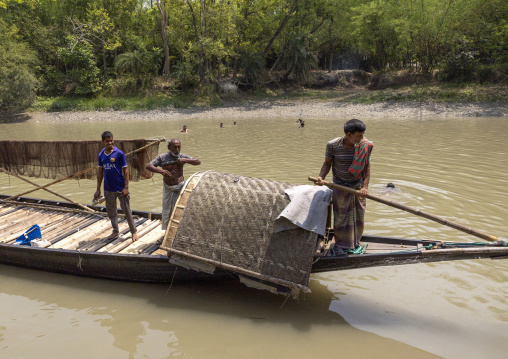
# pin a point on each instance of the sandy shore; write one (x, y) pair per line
(280, 109)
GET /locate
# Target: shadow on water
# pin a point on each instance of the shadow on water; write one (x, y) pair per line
(13, 117)
(179, 308)
(215, 295)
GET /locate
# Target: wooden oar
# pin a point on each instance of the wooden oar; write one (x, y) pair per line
(432, 217)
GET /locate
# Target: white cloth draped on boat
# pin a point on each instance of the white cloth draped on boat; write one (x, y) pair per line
(308, 209)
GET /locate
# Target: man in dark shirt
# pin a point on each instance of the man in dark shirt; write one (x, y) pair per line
(113, 169)
(348, 209)
(171, 168)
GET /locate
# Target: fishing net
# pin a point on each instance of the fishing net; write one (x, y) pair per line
(58, 159)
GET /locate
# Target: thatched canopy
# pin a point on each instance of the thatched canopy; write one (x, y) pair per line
(227, 220)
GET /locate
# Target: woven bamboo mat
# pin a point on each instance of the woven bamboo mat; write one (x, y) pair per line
(228, 220)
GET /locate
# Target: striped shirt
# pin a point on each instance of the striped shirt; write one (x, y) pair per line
(342, 158)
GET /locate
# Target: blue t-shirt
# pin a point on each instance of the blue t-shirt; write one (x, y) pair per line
(112, 165)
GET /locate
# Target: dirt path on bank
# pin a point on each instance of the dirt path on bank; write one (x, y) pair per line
(279, 109)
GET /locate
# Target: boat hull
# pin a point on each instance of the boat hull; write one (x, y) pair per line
(156, 268)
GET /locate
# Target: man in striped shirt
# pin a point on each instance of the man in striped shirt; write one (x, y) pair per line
(348, 209)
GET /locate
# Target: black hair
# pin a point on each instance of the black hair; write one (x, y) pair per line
(390, 185)
(353, 126)
(106, 134)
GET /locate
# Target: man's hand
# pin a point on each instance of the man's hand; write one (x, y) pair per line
(181, 161)
(97, 194)
(364, 191)
(125, 192)
(166, 173)
(319, 181)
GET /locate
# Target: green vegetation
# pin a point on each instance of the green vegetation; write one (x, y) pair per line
(423, 93)
(114, 54)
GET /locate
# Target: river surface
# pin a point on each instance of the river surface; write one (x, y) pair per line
(455, 168)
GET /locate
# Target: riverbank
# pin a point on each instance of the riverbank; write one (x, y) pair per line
(278, 109)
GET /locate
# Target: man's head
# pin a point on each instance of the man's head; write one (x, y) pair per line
(354, 130)
(107, 140)
(184, 127)
(174, 146)
(353, 126)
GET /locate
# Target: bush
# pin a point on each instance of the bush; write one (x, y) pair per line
(18, 82)
(253, 67)
(460, 66)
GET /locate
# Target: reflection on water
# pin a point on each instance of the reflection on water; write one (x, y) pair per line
(212, 319)
(452, 309)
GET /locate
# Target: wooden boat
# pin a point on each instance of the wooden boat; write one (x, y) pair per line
(78, 246)
(222, 224)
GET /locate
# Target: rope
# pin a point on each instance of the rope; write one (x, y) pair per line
(357, 251)
(361, 249)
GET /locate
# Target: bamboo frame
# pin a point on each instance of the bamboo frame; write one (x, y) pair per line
(75, 174)
(47, 190)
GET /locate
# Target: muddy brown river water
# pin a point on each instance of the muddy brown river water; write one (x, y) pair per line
(453, 167)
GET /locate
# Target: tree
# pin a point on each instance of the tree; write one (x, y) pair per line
(17, 70)
(138, 62)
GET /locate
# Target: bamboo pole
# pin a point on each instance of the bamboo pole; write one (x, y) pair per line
(148, 237)
(416, 211)
(91, 230)
(73, 231)
(80, 173)
(61, 209)
(120, 238)
(47, 190)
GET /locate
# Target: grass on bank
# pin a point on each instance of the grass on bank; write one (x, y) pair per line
(207, 98)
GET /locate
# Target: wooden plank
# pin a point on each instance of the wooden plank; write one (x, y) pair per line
(94, 229)
(151, 237)
(126, 241)
(85, 242)
(121, 239)
(46, 224)
(101, 243)
(21, 222)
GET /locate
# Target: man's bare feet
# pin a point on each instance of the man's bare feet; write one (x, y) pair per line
(134, 237)
(112, 235)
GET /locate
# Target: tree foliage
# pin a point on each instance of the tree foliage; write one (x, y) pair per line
(84, 44)
(17, 69)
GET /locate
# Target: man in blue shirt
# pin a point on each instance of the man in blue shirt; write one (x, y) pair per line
(113, 169)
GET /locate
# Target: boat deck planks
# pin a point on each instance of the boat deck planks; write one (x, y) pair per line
(79, 231)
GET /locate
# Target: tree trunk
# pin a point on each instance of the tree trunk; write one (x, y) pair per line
(330, 58)
(164, 35)
(281, 27)
(196, 33)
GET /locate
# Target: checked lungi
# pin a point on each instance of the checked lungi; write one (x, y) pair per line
(348, 218)
(169, 197)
